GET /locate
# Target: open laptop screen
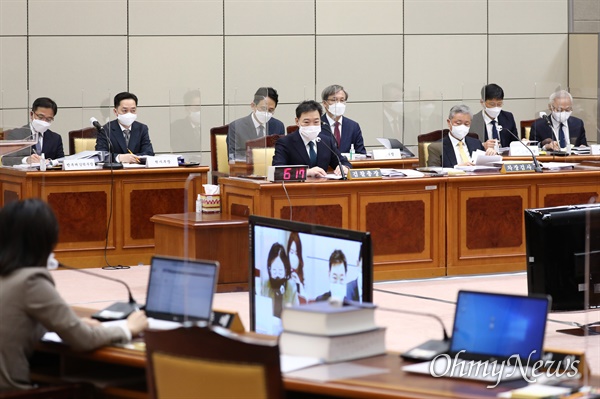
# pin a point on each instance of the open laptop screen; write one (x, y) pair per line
(181, 290)
(488, 325)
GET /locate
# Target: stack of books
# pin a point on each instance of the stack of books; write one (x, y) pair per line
(330, 332)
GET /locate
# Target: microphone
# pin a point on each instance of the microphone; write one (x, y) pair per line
(545, 117)
(110, 164)
(536, 164)
(318, 140)
(116, 311)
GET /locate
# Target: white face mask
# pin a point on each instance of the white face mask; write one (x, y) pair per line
(40, 126)
(310, 132)
(126, 119)
(493, 112)
(337, 109)
(195, 117)
(460, 131)
(52, 263)
(263, 116)
(561, 117)
(338, 291)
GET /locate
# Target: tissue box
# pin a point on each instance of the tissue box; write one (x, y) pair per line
(211, 203)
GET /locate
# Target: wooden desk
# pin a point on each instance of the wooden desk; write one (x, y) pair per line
(427, 227)
(406, 217)
(122, 373)
(81, 202)
(209, 236)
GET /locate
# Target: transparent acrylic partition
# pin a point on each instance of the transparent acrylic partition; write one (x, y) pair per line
(15, 125)
(185, 117)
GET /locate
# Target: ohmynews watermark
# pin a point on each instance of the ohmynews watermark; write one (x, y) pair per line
(458, 367)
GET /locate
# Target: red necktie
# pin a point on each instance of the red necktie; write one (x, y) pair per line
(337, 134)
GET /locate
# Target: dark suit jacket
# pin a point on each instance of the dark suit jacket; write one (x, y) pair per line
(351, 134)
(505, 119)
(242, 130)
(352, 290)
(435, 155)
(290, 150)
(184, 136)
(541, 131)
(52, 145)
(139, 139)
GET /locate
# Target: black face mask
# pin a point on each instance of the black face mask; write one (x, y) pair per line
(277, 284)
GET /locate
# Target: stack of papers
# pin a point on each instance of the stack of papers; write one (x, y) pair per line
(557, 165)
(581, 150)
(401, 173)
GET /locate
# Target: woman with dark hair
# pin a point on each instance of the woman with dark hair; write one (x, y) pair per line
(294, 251)
(279, 287)
(30, 305)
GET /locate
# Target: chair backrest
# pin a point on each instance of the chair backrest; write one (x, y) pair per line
(291, 129)
(211, 362)
(219, 156)
(259, 153)
(82, 140)
(425, 139)
(526, 128)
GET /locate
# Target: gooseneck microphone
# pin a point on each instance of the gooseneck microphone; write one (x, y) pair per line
(536, 165)
(116, 311)
(318, 140)
(110, 164)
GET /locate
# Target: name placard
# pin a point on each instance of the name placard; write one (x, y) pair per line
(164, 161)
(385, 153)
(595, 149)
(79, 164)
(363, 174)
(517, 167)
(227, 319)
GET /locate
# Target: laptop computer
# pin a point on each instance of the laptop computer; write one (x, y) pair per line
(496, 337)
(181, 289)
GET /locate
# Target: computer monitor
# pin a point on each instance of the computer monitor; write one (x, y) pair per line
(290, 265)
(556, 254)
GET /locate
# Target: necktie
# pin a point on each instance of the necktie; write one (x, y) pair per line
(494, 131)
(562, 140)
(261, 131)
(464, 156)
(337, 134)
(38, 145)
(312, 154)
(126, 134)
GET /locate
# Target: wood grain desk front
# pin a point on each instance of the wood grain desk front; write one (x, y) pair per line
(209, 236)
(423, 227)
(81, 202)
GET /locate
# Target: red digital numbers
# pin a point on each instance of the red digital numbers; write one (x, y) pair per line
(286, 173)
(300, 174)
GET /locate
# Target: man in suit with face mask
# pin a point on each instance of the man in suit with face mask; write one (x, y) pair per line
(309, 145)
(129, 139)
(345, 131)
(48, 142)
(456, 147)
(259, 123)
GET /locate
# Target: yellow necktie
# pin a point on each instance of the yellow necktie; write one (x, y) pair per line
(464, 156)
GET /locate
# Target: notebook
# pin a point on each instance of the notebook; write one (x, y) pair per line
(489, 329)
(181, 289)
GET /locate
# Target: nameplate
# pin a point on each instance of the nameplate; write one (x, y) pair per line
(363, 174)
(517, 167)
(595, 148)
(164, 161)
(227, 319)
(79, 164)
(385, 153)
(517, 149)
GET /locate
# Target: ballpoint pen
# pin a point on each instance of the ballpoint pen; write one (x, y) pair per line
(136, 158)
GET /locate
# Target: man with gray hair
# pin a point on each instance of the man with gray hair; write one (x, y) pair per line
(558, 131)
(345, 131)
(456, 147)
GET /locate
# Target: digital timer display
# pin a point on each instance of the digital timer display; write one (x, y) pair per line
(287, 173)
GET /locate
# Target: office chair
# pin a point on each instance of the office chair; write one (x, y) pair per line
(219, 156)
(82, 140)
(211, 362)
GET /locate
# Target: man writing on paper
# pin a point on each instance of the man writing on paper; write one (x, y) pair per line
(258, 124)
(48, 142)
(309, 145)
(345, 131)
(490, 122)
(129, 139)
(557, 131)
(338, 267)
(456, 147)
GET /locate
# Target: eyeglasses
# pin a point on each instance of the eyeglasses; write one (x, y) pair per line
(44, 118)
(336, 100)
